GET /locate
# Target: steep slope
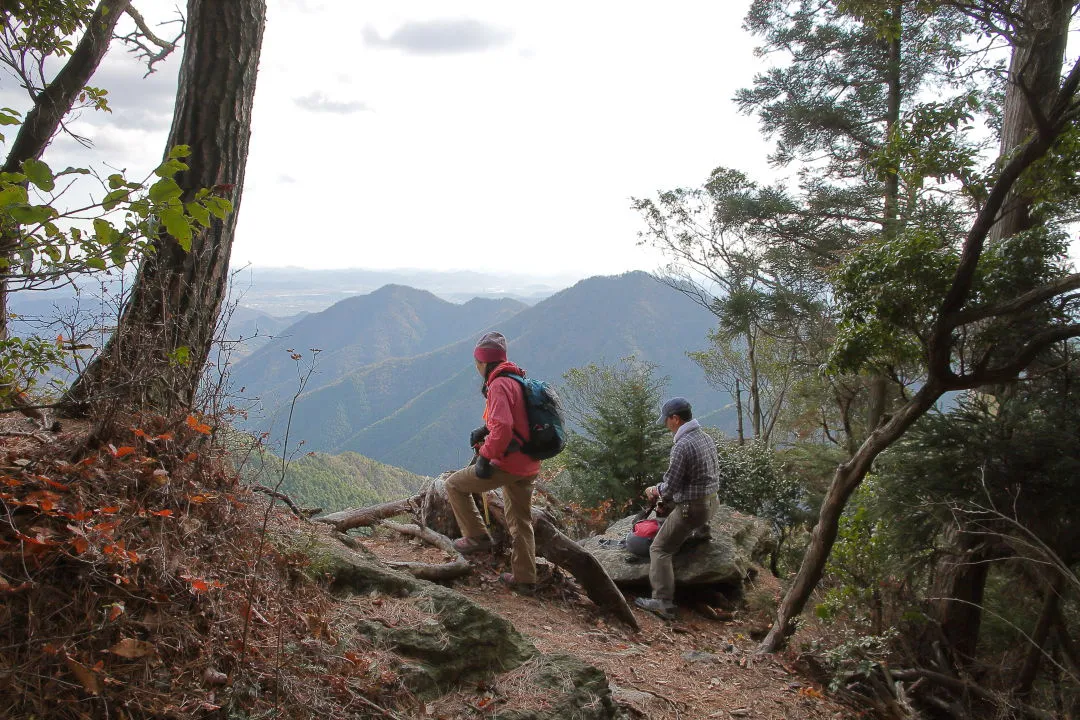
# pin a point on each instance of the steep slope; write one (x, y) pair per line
(416, 412)
(393, 321)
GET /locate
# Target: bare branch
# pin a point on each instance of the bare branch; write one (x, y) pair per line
(142, 49)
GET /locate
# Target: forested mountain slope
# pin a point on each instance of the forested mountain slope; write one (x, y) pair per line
(416, 412)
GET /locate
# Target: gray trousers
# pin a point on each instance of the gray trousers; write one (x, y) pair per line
(683, 520)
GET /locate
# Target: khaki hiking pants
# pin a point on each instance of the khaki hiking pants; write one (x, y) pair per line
(683, 520)
(517, 494)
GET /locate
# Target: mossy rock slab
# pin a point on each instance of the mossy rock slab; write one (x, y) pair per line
(458, 642)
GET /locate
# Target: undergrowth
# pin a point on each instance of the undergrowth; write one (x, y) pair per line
(127, 587)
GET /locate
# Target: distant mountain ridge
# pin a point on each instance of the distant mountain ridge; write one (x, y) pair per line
(415, 411)
(394, 321)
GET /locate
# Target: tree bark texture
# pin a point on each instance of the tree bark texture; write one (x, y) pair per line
(51, 105)
(177, 295)
(1034, 75)
(959, 585)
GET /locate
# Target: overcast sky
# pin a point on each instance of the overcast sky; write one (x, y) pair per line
(450, 134)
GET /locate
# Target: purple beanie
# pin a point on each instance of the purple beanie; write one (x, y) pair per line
(491, 347)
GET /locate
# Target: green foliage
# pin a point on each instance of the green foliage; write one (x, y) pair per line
(23, 361)
(332, 482)
(754, 480)
(45, 26)
(888, 292)
(621, 449)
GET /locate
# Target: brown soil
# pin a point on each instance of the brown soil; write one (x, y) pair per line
(695, 668)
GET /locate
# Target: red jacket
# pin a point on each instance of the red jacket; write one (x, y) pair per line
(506, 419)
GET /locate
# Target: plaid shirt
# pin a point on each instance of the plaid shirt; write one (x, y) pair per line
(694, 470)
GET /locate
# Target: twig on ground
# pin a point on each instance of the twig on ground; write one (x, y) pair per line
(297, 511)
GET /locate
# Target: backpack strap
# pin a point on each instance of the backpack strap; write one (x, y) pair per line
(518, 439)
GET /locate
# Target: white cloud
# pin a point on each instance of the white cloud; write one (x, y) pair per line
(517, 135)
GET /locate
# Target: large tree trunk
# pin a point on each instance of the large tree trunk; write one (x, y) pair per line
(959, 585)
(155, 358)
(50, 107)
(1034, 76)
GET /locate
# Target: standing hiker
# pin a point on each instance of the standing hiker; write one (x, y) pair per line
(690, 484)
(499, 463)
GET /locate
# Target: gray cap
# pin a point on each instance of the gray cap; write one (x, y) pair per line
(672, 406)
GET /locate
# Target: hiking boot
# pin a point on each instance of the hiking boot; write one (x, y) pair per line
(466, 545)
(508, 580)
(663, 608)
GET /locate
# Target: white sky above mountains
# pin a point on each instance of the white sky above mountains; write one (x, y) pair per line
(428, 134)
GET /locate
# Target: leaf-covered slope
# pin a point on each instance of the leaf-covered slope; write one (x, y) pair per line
(416, 412)
(393, 321)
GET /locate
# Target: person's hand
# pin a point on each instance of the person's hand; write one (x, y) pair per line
(483, 468)
(477, 436)
(651, 493)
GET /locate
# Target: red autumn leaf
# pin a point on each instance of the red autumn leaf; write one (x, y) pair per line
(162, 513)
(106, 528)
(80, 545)
(199, 586)
(38, 540)
(109, 510)
(164, 436)
(116, 610)
(53, 484)
(123, 451)
(132, 556)
(191, 457)
(199, 427)
(139, 432)
(12, 482)
(198, 499)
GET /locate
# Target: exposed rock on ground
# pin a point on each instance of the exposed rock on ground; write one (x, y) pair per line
(739, 543)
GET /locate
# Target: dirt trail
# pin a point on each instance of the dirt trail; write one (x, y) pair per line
(692, 669)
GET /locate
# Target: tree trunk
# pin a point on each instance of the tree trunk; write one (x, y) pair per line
(738, 411)
(1034, 75)
(50, 107)
(1025, 680)
(155, 358)
(847, 478)
(959, 586)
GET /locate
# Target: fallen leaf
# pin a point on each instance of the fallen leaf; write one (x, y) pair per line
(124, 451)
(86, 677)
(161, 513)
(131, 648)
(116, 610)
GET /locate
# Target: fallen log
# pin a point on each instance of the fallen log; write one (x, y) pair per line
(435, 572)
(432, 507)
(567, 554)
(366, 516)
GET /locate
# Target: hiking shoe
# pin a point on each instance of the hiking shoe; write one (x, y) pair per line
(508, 580)
(466, 545)
(663, 608)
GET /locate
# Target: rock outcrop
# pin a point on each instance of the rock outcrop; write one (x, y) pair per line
(459, 642)
(739, 542)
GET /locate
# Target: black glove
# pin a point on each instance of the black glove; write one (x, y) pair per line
(483, 468)
(477, 436)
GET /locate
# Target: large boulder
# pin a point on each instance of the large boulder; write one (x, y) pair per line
(739, 542)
